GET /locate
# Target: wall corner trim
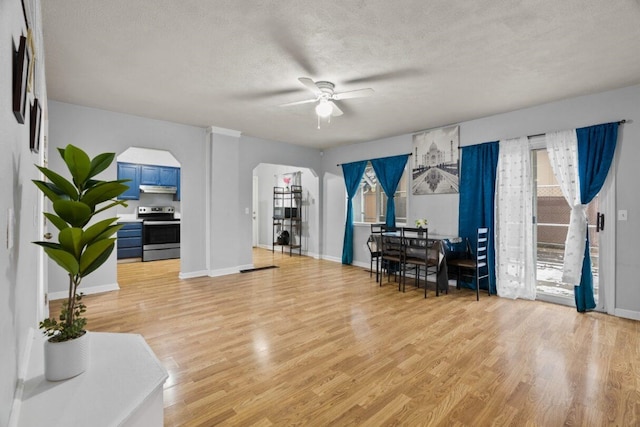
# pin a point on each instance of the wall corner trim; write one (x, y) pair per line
(223, 131)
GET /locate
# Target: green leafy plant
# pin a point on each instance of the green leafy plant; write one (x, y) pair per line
(81, 247)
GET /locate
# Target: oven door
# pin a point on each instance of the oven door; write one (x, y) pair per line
(160, 240)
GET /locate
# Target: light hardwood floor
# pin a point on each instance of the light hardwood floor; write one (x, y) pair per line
(317, 343)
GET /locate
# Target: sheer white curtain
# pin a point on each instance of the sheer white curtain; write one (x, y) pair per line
(562, 148)
(515, 264)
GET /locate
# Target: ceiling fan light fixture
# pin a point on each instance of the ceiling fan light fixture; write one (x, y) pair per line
(324, 108)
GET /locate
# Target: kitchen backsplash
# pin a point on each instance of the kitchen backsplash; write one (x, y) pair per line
(148, 200)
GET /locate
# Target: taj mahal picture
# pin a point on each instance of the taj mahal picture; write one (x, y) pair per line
(435, 162)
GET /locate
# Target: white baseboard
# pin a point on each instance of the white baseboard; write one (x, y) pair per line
(360, 264)
(85, 290)
(332, 258)
(193, 274)
(627, 314)
(227, 271)
(23, 370)
(304, 253)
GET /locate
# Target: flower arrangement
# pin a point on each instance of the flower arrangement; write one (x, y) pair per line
(422, 223)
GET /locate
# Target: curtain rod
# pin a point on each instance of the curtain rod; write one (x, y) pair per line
(408, 154)
(542, 134)
(620, 122)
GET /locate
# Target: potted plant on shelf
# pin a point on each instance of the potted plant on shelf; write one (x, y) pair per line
(80, 250)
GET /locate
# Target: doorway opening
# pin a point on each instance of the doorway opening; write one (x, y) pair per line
(266, 176)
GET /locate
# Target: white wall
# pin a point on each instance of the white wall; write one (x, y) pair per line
(230, 161)
(254, 151)
(97, 131)
(20, 302)
(442, 210)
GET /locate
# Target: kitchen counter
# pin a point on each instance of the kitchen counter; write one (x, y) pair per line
(128, 218)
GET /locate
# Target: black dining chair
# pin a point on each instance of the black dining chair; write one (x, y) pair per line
(420, 253)
(469, 265)
(374, 243)
(392, 253)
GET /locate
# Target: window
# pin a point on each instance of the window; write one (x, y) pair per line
(370, 202)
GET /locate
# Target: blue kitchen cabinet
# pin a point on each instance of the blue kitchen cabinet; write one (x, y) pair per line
(159, 175)
(130, 240)
(130, 171)
(149, 175)
(169, 176)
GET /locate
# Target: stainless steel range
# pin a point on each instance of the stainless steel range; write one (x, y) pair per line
(160, 232)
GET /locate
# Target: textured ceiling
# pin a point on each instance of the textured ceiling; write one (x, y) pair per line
(231, 63)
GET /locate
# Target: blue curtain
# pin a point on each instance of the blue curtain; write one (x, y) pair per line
(389, 171)
(477, 195)
(352, 175)
(596, 147)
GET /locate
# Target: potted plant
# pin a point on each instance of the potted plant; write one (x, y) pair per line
(80, 250)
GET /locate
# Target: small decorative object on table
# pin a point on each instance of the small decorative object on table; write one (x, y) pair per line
(422, 223)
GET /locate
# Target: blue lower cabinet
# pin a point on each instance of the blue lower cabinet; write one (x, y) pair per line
(129, 253)
(130, 240)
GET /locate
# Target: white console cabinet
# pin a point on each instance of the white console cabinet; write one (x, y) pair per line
(121, 387)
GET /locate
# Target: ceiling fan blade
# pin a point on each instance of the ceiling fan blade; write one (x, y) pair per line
(390, 75)
(290, 44)
(336, 111)
(306, 101)
(360, 93)
(310, 84)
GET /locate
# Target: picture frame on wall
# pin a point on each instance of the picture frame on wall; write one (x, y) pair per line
(35, 125)
(436, 162)
(21, 62)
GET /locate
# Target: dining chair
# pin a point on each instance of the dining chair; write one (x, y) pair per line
(374, 244)
(469, 266)
(419, 253)
(392, 256)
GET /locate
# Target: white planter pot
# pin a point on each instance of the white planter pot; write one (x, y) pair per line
(63, 360)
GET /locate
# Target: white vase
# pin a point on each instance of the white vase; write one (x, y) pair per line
(64, 360)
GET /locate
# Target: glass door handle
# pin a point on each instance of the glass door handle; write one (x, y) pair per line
(600, 222)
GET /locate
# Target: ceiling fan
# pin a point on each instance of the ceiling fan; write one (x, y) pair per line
(325, 97)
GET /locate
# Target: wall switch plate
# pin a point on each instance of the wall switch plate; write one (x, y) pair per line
(622, 215)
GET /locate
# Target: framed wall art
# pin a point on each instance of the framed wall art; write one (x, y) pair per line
(21, 62)
(436, 161)
(35, 125)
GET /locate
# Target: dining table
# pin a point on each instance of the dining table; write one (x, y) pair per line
(435, 242)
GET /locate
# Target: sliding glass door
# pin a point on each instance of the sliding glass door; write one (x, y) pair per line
(551, 222)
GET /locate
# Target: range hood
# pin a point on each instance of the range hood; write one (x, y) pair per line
(158, 189)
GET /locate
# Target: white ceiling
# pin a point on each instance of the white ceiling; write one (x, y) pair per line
(231, 63)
